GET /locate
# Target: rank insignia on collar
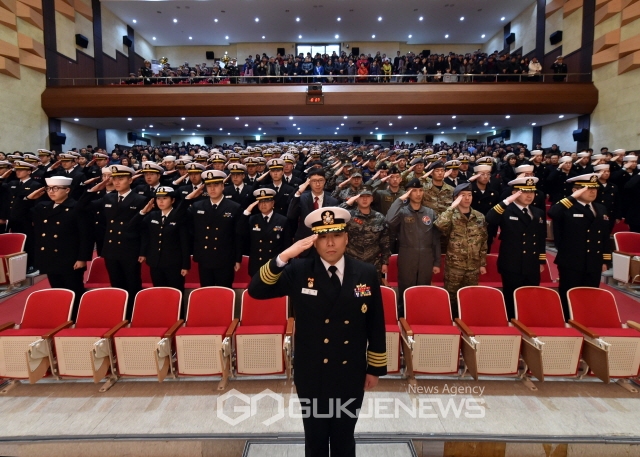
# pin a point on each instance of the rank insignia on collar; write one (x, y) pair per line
(310, 283)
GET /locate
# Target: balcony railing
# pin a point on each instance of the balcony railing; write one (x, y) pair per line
(325, 79)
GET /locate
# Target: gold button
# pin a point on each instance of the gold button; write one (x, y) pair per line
(524, 252)
(45, 221)
(118, 242)
(326, 321)
(121, 223)
(57, 223)
(160, 234)
(259, 250)
(207, 228)
(110, 241)
(119, 233)
(326, 360)
(346, 342)
(344, 362)
(215, 239)
(205, 247)
(260, 241)
(111, 222)
(110, 231)
(346, 322)
(588, 250)
(42, 249)
(44, 234)
(55, 250)
(326, 340)
(216, 228)
(206, 237)
(56, 236)
(270, 241)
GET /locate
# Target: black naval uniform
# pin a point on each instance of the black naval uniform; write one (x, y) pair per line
(266, 239)
(243, 198)
(334, 330)
(582, 240)
(122, 241)
(217, 240)
(62, 236)
(483, 202)
(283, 197)
(522, 248)
(185, 190)
(609, 196)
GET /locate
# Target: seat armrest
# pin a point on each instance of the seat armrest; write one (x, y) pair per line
(406, 328)
(57, 329)
(6, 326)
(111, 332)
(583, 328)
(232, 328)
(464, 327)
(631, 324)
(624, 253)
(174, 328)
(290, 324)
(523, 328)
(8, 256)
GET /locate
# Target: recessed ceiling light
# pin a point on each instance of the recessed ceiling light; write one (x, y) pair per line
(344, 117)
(76, 119)
(299, 133)
(399, 117)
(157, 134)
(297, 19)
(246, 125)
(134, 21)
(150, 126)
(507, 117)
(257, 19)
(129, 119)
(379, 18)
(502, 18)
(370, 133)
(482, 36)
(486, 123)
(337, 128)
(390, 123)
(415, 128)
(193, 133)
(341, 124)
(454, 128)
(420, 18)
(410, 36)
(493, 127)
(221, 128)
(561, 116)
(215, 20)
(290, 118)
(533, 123)
(237, 118)
(226, 37)
(298, 128)
(295, 125)
(183, 118)
(406, 133)
(339, 19)
(446, 36)
(462, 18)
(299, 36)
(438, 123)
(263, 37)
(228, 133)
(337, 36)
(191, 38)
(182, 130)
(259, 128)
(198, 125)
(477, 132)
(335, 133)
(453, 117)
(376, 128)
(373, 36)
(153, 38)
(442, 133)
(175, 20)
(143, 130)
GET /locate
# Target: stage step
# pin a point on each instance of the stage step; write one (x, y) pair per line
(256, 448)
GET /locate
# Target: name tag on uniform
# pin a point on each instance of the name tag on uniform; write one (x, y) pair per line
(309, 291)
(108, 205)
(513, 218)
(227, 215)
(133, 207)
(256, 229)
(578, 215)
(228, 196)
(153, 221)
(172, 223)
(200, 212)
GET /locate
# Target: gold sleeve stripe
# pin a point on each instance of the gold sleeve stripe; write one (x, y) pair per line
(543, 256)
(267, 277)
(606, 256)
(566, 202)
(377, 355)
(377, 365)
(498, 209)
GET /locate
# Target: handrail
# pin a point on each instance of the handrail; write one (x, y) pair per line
(327, 79)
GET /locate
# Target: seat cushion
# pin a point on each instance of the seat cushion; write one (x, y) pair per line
(619, 332)
(261, 329)
(507, 331)
(392, 328)
(82, 332)
(555, 331)
(97, 285)
(25, 332)
(435, 330)
(141, 331)
(201, 331)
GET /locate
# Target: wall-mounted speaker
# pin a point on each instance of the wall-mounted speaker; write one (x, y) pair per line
(581, 135)
(505, 134)
(208, 140)
(280, 51)
(355, 50)
(357, 139)
(511, 38)
(127, 41)
(57, 138)
(82, 41)
(210, 55)
(280, 139)
(132, 137)
(426, 52)
(428, 138)
(555, 37)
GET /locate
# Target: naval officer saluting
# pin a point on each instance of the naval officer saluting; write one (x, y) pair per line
(339, 318)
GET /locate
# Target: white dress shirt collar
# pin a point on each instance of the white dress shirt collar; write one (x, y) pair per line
(339, 265)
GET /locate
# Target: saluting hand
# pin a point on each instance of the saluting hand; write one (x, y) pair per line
(98, 187)
(196, 193)
(352, 200)
(456, 202)
(297, 248)
(36, 194)
(91, 181)
(148, 207)
(344, 183)
(579, 192)
(426, 175)
(512, 198)
(385, 179)
(303, 186)
(56, 165)
(91, 162)
(6, 173)
(252, 205)
(448, 173)
(137, 175)
(407, 194)
(473, 178)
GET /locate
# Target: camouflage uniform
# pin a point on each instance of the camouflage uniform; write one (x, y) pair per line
(437, 199)
(345, 194)
(368, 237)
(408, 176)
(383, 197)
(466, 250)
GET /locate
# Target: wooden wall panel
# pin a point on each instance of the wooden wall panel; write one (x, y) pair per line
(115, 68)
(499, 98)
(9, 5)
(8, 19)
(83, 67)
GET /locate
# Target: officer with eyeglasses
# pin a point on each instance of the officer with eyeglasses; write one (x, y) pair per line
(62, 237)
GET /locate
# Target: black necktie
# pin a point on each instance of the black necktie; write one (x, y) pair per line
(277, 189)
(163, 219)
(120, 199)
(335, 281)
(527, 218)
(215, 207)
(589, 211)
(266, 219)
(287, 179)
(237, 191)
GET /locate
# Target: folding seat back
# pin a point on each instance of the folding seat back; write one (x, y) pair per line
(482, 306)
(12, 243)
(391, 327)
(495, 246)
(438, 279)
(156, 307)
(145, 274)
(392, 271)
(427, 305)
(492, 278)
(627, 242)
(210, 307)
(538, 307)
(46, 309)
(545, 278)
(241, 278)
(272, 311)
(101, 308)
(593, 307)
(620, 227)
(192, 280)
(13, 259)
(98, 276)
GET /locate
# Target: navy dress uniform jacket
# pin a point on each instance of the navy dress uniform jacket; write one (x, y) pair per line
(244, 199)
(282, 197)
(266, 240)
(165, 245)
(337, 342)
(522, 246)
(582, 241)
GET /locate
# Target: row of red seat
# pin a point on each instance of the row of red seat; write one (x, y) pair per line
(212, 342)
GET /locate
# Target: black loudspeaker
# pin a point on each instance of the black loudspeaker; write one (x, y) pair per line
(428, 138)
(57, 138)
(355, 51)
(356, 139)
(82, 40)
(127, 41)
(210, 55)
(208, 140)
(280, 139)
(281, 51)
(581, 135)
(426, 53)
(555, 37)
(132, 137)
(505, 134)
(511, 38)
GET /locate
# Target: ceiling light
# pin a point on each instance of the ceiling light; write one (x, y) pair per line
(183, 118)
(442, 133)
(154, 38)
(237, 118)
(129, 119)
(221, 128)
(335, 133)
(150, 126)
(507, 117)
(420, 18)
(295, 125)
(486, 123)
(453, 117)
(299, 36)
(482, 36)
(370, 133)
(198, 125)
(246, 125)
(300, 133)
(76, 119)
(341, 124)
(438, 123)
(175, 20)
(257, 19)
(298, 128)
(446, 36)
(379, 18)
(297, 19)
(533, 123)
(215, 20)
(134, 21)
(410, 36)
(344, 117)
(339, 19)
(182, 130)
(373, 36)
(415, 128)
(193, 133)
(228, 133)
(390, 124)
(454, 128)
(263, 37)
(462, 18)
(376, 128)
(157, 134)
(143, 130)
(406, 133)
(561, 116)
(337, 36)
(493, 128)
(226, 37)
(399, 117)
(290, 118)
(502, 18)
(337, 128)
(191, 38)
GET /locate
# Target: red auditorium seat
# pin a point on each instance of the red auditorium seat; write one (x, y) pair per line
(627, 246)
(438, 280)
(392, 271)
(100, 314)
(430, 341)
(192, 280)
(263, 338)
(241, 278)
(392, 330)
(45, 314)
(540, 319)
(611, 349)
(489, 345)
(13, 259)
(98, 276)
(492, 278)
(203, 344)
